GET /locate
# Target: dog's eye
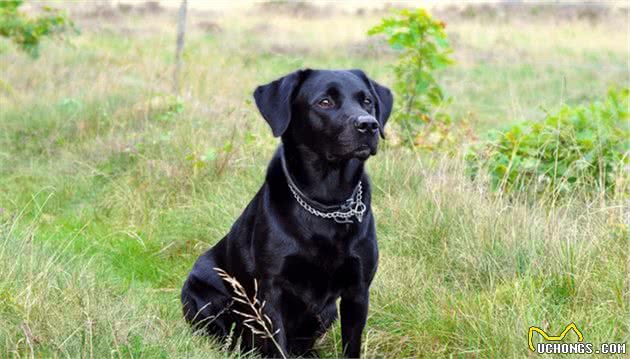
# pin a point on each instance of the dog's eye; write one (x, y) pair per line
(326, 103)
(367, 102)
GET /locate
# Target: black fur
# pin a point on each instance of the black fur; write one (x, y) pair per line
(303, 263)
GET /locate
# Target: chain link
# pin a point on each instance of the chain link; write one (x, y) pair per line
(352, 208)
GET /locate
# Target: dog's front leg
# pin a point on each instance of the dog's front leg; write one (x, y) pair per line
(354, 310)
(275, 347)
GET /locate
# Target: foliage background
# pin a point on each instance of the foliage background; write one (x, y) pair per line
(110, 187)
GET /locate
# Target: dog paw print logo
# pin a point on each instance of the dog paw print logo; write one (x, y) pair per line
(553, 338)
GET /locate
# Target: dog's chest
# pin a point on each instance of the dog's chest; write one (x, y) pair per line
(320, 273)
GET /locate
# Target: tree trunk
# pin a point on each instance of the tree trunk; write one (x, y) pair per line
(181, 31)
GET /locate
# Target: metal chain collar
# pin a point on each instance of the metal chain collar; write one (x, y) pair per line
(353, 207)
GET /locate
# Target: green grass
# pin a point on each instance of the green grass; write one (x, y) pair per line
(108, 192)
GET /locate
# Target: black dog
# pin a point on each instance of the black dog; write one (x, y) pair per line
(308, 236)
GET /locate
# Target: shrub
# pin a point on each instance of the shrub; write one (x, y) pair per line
(27, 32)
(424, 48)
(578, 147)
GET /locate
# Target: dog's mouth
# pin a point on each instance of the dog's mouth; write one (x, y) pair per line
(363, 152)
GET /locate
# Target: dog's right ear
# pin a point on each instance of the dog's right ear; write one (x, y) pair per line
(274, 100)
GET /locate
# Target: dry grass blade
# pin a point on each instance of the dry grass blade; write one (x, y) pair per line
(265, 324)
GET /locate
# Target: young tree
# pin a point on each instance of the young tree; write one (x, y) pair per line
(26, 31)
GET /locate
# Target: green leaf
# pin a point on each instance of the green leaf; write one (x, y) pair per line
(210, 155)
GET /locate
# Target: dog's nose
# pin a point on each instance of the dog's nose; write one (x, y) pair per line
(366, 124)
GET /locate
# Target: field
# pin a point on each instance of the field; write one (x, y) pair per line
(110, 187)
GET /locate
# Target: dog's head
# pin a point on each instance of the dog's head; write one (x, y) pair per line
(337, 114)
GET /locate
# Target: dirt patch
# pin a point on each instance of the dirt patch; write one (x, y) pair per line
(288, 50)
(504, 12)
(105, 10)
(209, 27)
(371, 47)
(300, 9)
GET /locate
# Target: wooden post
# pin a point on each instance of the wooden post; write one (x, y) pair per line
(181, 31)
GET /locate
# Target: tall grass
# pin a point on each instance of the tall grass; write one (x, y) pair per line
(110, 189)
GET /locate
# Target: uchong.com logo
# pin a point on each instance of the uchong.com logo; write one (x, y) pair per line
(553, 344)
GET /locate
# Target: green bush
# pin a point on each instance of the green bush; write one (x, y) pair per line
(424, 48)
(27, 32)
(578, 147)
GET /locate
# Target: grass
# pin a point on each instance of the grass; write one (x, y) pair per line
(110, 188)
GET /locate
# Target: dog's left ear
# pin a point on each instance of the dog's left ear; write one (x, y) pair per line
(384, 99)
(274, 100)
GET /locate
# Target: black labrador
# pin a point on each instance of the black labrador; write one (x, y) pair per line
(308, 236)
